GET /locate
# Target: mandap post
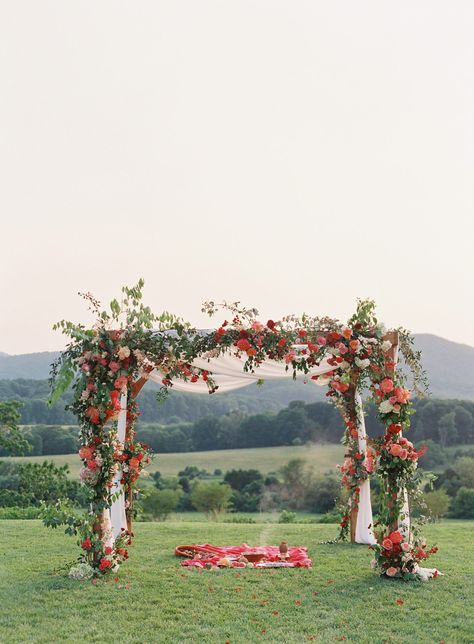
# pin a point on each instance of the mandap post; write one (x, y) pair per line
(393, 338)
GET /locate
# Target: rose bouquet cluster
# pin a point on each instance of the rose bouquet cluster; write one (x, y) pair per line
(396, 556)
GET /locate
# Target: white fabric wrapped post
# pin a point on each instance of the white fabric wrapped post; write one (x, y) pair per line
(363, 533)
(118, 517)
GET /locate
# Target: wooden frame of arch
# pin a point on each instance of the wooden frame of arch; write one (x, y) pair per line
(136, 387)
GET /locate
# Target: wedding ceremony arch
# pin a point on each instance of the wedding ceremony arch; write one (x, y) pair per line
(109, 364)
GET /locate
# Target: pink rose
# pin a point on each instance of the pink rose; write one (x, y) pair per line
(387, 544)
(405, 547)
(321, 340)
(114, 366)
(391, 572)
(403, 454)
(290, 356)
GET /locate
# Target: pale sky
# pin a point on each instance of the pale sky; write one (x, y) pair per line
(291, 155)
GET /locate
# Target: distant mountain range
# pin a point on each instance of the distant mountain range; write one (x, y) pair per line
(449, 365)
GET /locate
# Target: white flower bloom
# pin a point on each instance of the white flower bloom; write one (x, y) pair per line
(123, 352)
(344, 365)
(362, 364)
(81, 571)
(385, 407)
(85, 394)
(386, 346)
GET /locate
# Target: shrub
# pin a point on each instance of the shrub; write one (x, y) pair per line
(238, 518)
(239, 479)
(160, 503)
(211, 498)
(287, 517)
(321, 493)
(20, 513)
(330, 517)
(437, 502)
(464, 468)
(434, 456)
(463, 504)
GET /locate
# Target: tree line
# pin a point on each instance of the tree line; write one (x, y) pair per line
(441, 423)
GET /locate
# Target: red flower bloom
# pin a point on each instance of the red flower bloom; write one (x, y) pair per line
(243, 344)
(93, 414)
(108, 550)
(395, 537)
(394, 428)
(104, 564)
(282, 342)
(86, 544)
(271, 324)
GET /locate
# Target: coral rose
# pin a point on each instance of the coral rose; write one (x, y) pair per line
(391, 572)
(86, 452)
(121, 382)
(403, 395)
(387, 543)
(134, 462)
(387, 385)
(243, 344)
(395, 536)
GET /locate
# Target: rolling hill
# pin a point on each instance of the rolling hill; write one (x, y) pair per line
(449, 365)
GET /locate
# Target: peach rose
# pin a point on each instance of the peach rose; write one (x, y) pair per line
(395, 449)
(387, 544)
(391, 572)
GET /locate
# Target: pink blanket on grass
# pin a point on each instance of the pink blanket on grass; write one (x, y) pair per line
(201, 554)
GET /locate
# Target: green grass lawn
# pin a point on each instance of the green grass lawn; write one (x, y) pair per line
(155, 600)
(265, 459)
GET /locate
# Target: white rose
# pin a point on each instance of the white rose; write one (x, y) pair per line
(385, 407)
(386, 346)
(344, 365)
(362, 364)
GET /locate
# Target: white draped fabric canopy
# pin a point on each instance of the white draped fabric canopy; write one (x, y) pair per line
(228, 373)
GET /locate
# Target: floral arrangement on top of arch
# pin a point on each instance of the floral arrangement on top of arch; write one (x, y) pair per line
(128, 340)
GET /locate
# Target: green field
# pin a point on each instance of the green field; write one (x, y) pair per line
(266, 459)
(155, 600)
